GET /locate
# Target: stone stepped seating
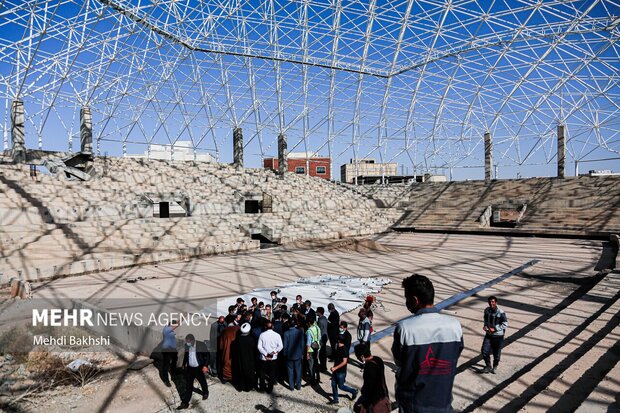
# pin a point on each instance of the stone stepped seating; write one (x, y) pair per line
(50, 226)
(579, 206)
(391, 195)
(98, 247)
(329, 224)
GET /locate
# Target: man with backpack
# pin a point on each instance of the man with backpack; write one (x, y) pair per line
(313, 346)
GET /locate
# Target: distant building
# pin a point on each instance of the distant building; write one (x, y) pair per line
(601, 172)
(303, 163)
(434, 178)
(180, 151)
(366, 168)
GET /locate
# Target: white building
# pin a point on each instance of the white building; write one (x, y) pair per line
(180, 151)
(366, 167)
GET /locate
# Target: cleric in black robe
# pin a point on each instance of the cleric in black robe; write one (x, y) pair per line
(245, 357)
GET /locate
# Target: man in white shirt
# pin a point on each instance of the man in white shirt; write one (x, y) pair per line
(269, 345)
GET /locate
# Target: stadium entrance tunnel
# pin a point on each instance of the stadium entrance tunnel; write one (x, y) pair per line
(508, 214)
(256, 202)
(168, 205)
(253, 206)
(264, 241)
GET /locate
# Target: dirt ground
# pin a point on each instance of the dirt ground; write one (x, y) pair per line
(561, 352)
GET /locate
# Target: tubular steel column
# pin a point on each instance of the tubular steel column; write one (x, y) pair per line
(282, 160)
(86, 131)
(18, 133)
(238, 147)
(561, 151)
(488, 156)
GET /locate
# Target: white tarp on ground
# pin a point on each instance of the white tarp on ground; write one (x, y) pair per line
(346, 292)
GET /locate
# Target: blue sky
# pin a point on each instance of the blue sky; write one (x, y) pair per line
(529, 74)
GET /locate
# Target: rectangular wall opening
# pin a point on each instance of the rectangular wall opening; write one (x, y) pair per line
(252, 207)
(164, 209)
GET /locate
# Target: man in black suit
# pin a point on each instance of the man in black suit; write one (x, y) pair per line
(308, 311)
(298, 303)
(195, 364)
(333, 327)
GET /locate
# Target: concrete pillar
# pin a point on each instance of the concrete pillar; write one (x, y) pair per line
(18, 131)
(488, 156)
(282, 160)
(561, 151)
(238, 147)
(86, 131)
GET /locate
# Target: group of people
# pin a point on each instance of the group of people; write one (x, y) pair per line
(259, 345)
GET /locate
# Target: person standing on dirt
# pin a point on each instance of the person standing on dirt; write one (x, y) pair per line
(344, 332)
(426, 350)
(313, 346)
(225, 345)
(269, 345)
(333, 325)
(495, 324)
(323, 324)
(168, 352)
(195, 364)
(363, 328)
(294, 347)
(246, 355)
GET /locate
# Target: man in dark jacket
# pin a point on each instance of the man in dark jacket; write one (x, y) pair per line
(293, 349)
(333, 325)
(214, 336)
(195, 364)
(277, 322)
(322, 323)
(426, 350)
(495, 324)
(308, 312)
(363, 327)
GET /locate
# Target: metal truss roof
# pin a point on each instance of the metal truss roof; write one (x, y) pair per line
(418, 82)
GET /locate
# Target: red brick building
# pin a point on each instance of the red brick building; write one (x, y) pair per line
(317, 166)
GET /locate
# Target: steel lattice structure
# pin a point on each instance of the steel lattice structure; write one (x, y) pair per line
(417, 82)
